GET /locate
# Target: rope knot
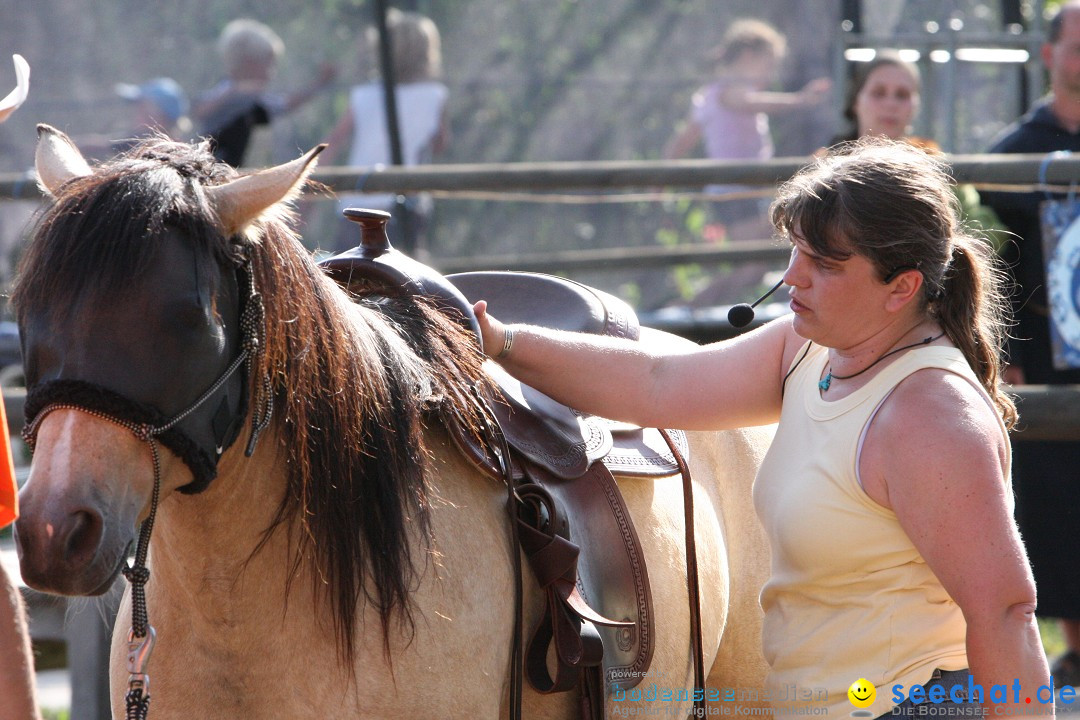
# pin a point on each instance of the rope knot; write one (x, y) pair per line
(137, 575)
(143, 431)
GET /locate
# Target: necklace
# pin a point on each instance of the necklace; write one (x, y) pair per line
(826, 381)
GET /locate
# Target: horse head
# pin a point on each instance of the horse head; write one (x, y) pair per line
(129, 303)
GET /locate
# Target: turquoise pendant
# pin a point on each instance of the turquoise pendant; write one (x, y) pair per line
(825, 382)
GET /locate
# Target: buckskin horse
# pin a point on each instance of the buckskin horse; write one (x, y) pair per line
(321, 547)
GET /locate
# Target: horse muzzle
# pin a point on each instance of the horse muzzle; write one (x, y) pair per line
(67, 550)
(79, 509)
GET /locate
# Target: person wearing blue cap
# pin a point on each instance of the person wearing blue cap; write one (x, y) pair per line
(160, 105)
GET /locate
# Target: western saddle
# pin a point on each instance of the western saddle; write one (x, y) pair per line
(571, 521)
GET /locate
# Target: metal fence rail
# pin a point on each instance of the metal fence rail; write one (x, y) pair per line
(1018, 170)
(1048, 413)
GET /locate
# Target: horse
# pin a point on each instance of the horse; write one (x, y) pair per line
(321, 548)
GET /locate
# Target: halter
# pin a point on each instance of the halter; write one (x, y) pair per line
(142, 636)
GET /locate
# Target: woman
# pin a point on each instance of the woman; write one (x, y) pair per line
(886, 491)
(883, 100)
(16, 659)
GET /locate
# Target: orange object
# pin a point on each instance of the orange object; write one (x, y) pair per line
(9, 491)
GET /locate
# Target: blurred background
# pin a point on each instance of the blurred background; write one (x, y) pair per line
(558, 80)
(527, 81)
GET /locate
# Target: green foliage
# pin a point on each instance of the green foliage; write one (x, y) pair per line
(1053, 641)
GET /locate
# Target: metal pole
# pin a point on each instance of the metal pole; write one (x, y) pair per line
(386, 60)
(1036, 78)
(955, 25)
(403, 232)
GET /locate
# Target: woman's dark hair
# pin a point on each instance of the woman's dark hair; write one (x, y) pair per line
(894, 204)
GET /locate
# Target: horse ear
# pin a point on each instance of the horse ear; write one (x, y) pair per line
(57, 159)
(240, 201)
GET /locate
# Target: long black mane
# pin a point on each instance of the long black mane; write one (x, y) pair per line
(350, 396)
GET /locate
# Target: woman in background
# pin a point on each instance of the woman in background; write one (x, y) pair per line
(883, 100)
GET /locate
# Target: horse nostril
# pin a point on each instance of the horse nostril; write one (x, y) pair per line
(83, 535)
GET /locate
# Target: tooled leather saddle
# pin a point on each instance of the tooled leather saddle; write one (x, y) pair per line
(572, 523)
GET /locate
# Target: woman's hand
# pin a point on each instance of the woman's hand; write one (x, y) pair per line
(492, 331)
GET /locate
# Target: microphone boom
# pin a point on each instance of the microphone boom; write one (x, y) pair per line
(742, 314)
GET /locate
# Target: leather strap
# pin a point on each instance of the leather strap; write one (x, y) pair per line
(569, 623)
(691, 577)
(498, 453)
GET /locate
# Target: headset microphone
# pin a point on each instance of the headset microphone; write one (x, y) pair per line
(742, 314)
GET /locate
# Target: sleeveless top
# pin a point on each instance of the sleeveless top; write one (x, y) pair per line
(730, 133)
(419, 109)
(849, 596)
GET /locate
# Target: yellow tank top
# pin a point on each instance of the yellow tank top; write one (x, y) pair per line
(849, 596)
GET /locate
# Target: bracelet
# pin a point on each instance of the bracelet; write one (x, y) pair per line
(508, 342)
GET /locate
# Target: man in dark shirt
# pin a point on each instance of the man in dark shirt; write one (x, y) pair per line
(1045, 473)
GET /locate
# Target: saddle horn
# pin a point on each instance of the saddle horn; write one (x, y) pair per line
(240, 201)
(56, 159)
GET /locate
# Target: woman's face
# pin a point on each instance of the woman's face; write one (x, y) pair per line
(887, 102)
(837, 303)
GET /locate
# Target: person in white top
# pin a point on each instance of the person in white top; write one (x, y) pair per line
(891, 298)
(421, 109)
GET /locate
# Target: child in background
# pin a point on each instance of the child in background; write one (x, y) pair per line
(731, 114)
(229, 112)
(421, 108)
(159, 105)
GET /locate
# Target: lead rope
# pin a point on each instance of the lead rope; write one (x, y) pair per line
(142, 636)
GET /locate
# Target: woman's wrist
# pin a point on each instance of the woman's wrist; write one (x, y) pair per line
(507, 343)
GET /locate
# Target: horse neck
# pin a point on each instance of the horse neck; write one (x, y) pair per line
(215, 534)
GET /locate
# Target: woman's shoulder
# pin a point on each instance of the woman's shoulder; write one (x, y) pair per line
(936, 404)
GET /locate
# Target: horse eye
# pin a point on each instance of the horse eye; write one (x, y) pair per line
(187, 316)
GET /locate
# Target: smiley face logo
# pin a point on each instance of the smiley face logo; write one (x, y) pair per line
(862, 693)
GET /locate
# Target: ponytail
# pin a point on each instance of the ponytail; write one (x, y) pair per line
(969, 303)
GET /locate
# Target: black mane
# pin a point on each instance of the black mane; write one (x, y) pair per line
(350, 402)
